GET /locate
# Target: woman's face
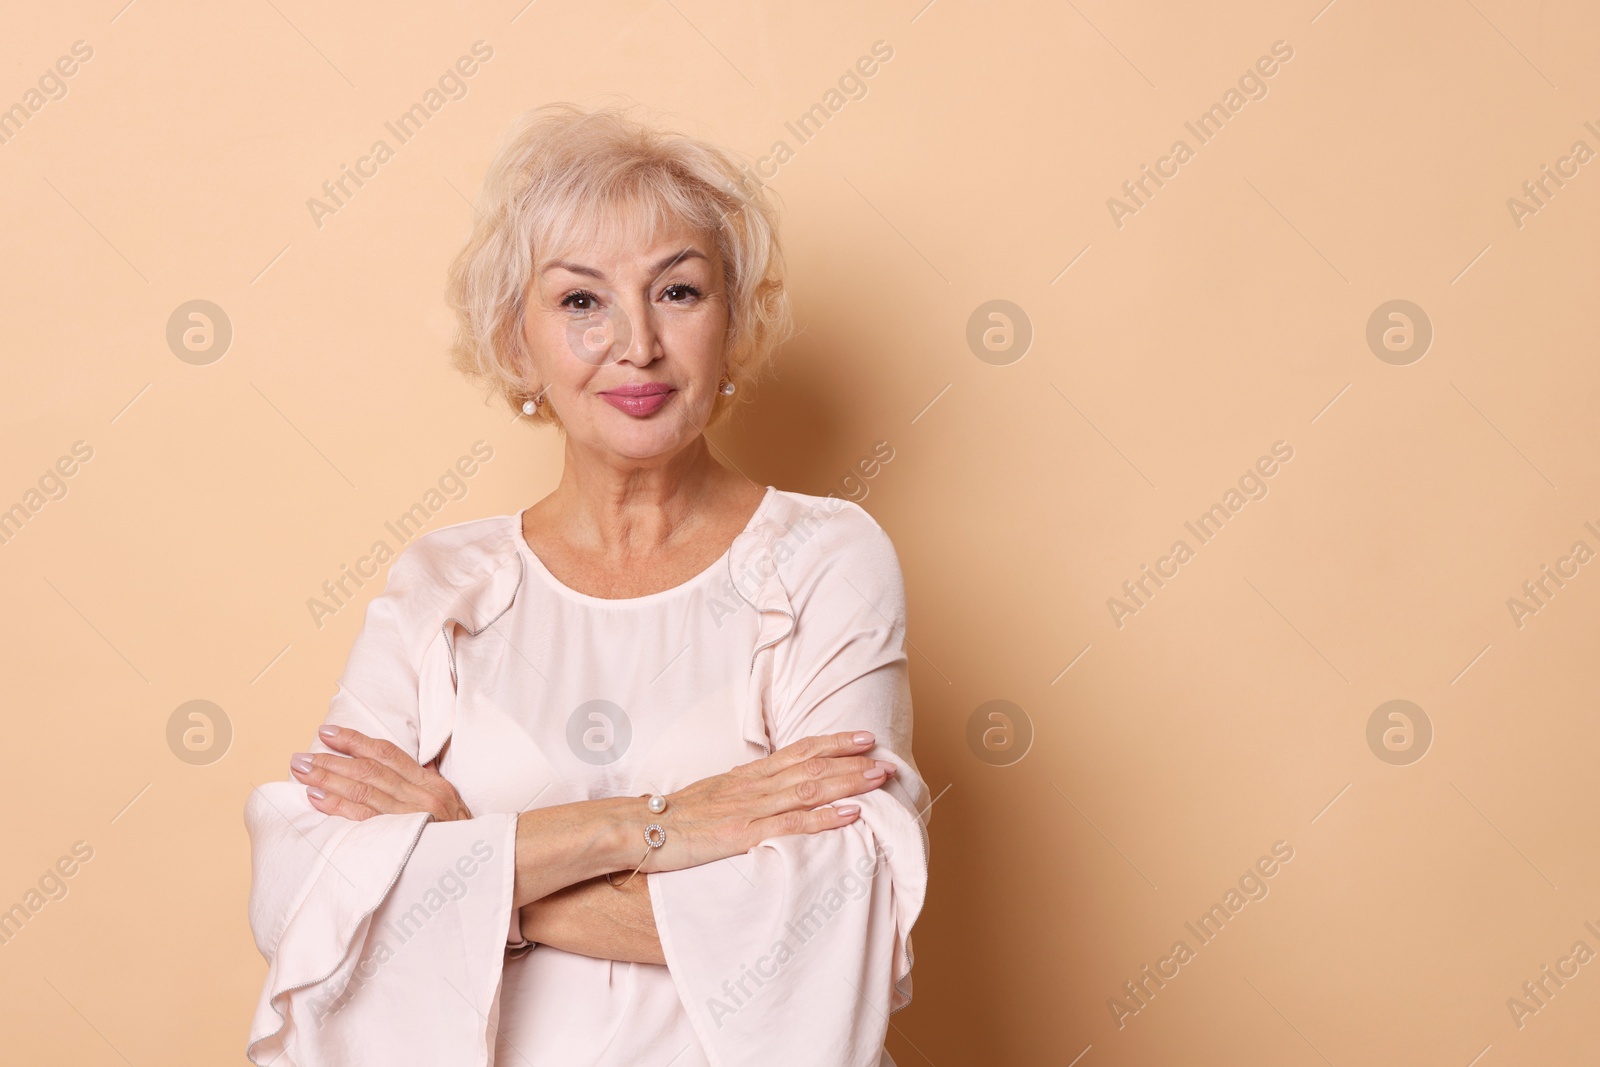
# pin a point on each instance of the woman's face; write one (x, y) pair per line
(629, 341)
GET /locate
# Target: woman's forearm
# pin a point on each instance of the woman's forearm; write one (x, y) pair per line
(786, 792)
(592, 918)
(565, 844)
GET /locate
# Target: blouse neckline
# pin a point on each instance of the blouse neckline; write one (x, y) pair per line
(537, 565)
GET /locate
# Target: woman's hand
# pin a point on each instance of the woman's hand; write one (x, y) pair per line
(374, 778)
(789, 792)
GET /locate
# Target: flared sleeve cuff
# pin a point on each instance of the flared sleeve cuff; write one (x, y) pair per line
(394, 950)
(802, 944)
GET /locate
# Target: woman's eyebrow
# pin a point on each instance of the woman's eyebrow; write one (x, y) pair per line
(591, 272)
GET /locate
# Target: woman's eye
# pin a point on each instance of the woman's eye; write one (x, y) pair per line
(689, 291)
(580, 296)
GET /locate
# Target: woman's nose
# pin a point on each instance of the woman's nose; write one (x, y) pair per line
(635, 336)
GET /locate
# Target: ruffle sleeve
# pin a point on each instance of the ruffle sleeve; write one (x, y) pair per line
(799, 950)
(385, 938)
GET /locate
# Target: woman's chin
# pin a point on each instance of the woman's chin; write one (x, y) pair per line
(662, 433)
(645, 442)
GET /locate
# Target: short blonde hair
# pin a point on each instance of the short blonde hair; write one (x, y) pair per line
(564, 172)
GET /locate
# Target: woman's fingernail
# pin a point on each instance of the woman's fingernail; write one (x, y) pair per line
(849, 809)
(301, 762)
(863, 738)
(315, 793)
(873, 773)
(889, 768)
(328, 733)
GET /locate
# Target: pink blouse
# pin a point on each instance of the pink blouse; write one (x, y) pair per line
(393, 940)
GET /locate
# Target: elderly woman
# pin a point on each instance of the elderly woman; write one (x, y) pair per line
(624, 777)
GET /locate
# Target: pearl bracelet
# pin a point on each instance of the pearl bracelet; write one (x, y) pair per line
(654, 837)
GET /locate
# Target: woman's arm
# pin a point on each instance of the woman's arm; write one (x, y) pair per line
(790, 791)
(556, 846)
(593, 919)
(800, 949)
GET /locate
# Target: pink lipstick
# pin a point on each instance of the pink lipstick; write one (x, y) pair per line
(638, 399)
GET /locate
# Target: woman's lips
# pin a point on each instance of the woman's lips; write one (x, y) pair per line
(638, 403)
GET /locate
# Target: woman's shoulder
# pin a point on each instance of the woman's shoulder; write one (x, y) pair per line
(807, 534)
(469, 571)
(823, 558)
(802, 519)
(458, 553)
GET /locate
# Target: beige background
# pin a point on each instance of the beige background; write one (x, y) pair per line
(1228, 313)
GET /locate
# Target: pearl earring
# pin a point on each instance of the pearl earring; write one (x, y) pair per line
(726, 388)
(532, 405)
